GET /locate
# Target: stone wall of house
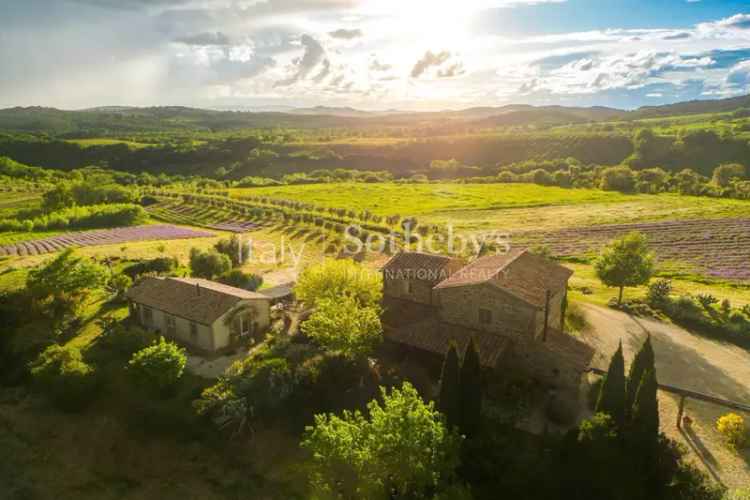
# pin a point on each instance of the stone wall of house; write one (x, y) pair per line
(200, 337)
(555, 313)
(559, 362)
(461, 306)
(398, 288)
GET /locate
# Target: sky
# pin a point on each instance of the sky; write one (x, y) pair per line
(371, 54)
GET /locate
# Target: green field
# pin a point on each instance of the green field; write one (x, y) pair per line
(104, 141)
(504, 206)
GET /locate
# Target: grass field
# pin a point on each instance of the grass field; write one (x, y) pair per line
(104, 141)
(504, 206)
(420, 199)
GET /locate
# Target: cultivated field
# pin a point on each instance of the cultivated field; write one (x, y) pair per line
(101, 237)
(212, 218)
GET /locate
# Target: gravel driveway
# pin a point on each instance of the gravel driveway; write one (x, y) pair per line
(688, 361)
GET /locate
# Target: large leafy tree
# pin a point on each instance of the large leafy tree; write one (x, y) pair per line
(449, 402)
(332, 279)
(471, 391)
(612, 393)
(401, 449)
(60, 287)
(625, 262)
(643, 361)
(345, 327)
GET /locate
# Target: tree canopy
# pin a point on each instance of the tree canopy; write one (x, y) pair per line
(333, 279)
(625, 262)
(61, 285)
(345, 327)
(402, 446)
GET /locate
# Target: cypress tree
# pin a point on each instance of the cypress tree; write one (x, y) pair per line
(612, 394)
(471, 391)
(449, 403)
(645, 422)
(643, 361)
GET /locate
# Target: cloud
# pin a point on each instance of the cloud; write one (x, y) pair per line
(208, 38)
(428, 60)
(739, 22)
(456, 69)
(683, 35)
(346, 34)
(739, 76)
(313, 55)
(376, 65)
(324, 71)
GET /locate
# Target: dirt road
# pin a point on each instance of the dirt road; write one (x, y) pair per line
(689, 361)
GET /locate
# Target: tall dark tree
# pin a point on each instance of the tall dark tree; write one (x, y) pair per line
(471, 391)
(612, 394)
(450, 389)
(645, 422)
(643, 361)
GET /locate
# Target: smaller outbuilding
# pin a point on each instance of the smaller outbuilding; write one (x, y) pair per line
(204, 315)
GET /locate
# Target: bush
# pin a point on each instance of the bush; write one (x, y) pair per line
(239, 279)
(659, 292)
(619, 179)
(62, 373)
(208, 264)
(118, 285)
(234, 248)
(124, 341)
(92, 217)
(158, 367)
(732, 428)
(159, 265)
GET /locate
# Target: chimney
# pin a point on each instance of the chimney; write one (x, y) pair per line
(198, 288)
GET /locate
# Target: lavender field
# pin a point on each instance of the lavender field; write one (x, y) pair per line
(102, 237)
(718, 248)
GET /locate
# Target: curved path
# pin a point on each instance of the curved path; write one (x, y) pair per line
(688, 361)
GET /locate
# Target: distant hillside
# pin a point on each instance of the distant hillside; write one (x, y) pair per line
(113, 120)
(120, 120)
(692, 107)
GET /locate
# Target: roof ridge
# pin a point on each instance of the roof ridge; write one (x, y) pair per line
(508, 263)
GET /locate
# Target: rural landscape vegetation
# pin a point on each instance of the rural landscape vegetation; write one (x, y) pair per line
(303, 208)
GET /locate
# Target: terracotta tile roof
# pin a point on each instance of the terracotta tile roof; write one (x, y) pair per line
(434, 336)
(521, 273)
(422, 266)
(570, 348)
(195, 299)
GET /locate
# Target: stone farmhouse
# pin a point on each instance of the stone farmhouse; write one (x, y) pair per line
(206, 316)
(511, 304)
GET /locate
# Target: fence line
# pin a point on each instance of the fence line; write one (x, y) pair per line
(688, 394)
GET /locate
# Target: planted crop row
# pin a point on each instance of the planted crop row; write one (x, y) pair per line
(718, 247)
(101, 237)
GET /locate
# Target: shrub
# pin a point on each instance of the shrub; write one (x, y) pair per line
(62, 373)
(659, 292)
(119, 284)
(159, 265)
(124, 341)
(706, 300)
(208, 264)
(239, 279)
(159, 366)
(619, 179)
(733, 429)
(234, 248)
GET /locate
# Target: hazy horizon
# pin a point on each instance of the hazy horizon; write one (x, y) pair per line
(372, 55)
